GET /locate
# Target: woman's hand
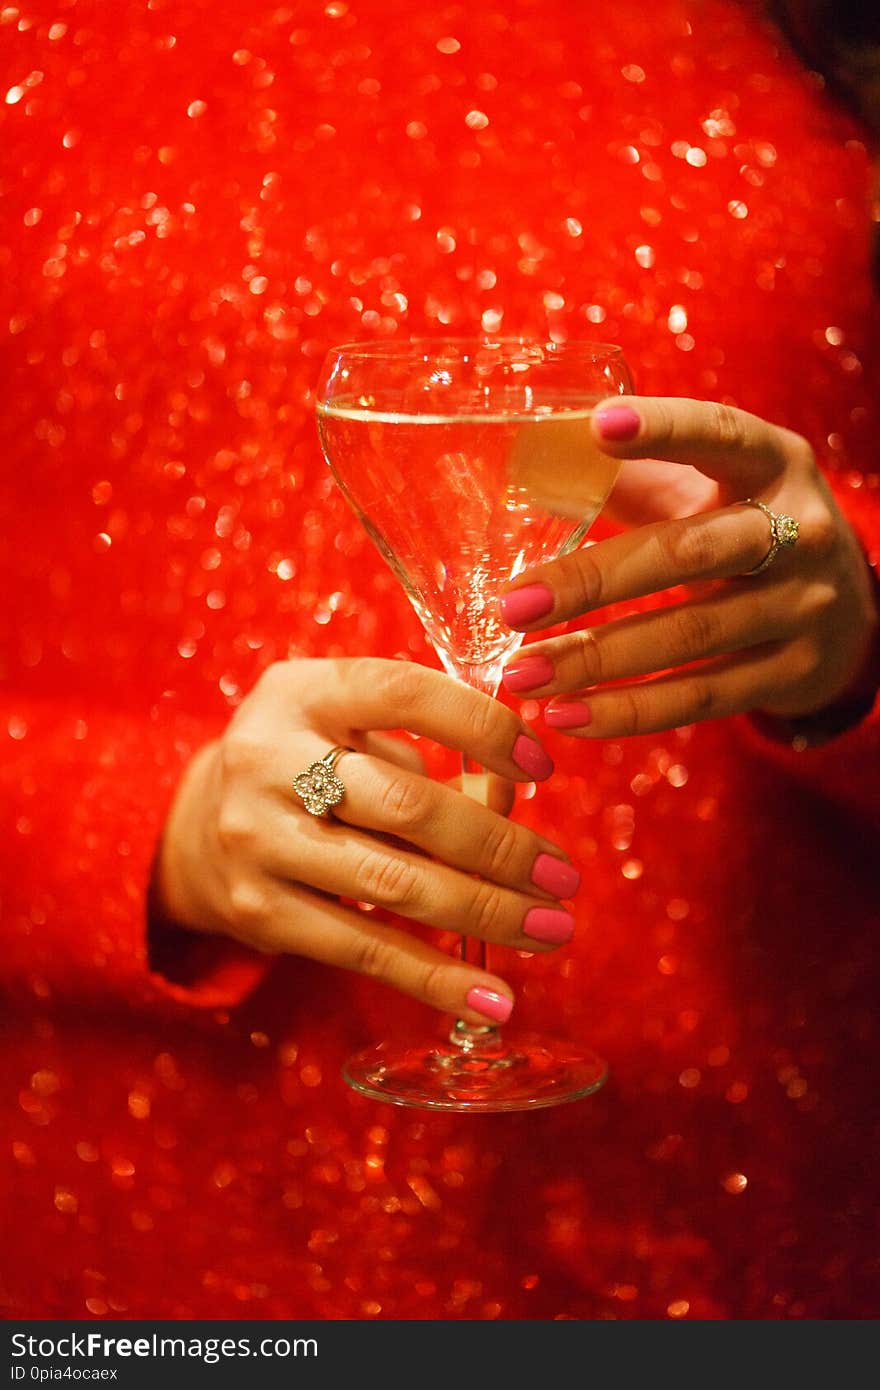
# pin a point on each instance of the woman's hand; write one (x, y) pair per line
(241, 855)
(789, 641)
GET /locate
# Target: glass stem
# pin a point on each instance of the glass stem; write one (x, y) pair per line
(472, 1037)
(475, 784)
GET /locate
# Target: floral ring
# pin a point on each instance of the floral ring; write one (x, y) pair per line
(783, 533)
(320, 788)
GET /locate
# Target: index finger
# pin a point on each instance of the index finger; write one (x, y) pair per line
(351, 696)
(731, 446)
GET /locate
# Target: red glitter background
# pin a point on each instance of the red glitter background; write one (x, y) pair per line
(199, 199)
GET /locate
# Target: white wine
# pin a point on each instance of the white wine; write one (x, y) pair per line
(470, 461)
(499, 492)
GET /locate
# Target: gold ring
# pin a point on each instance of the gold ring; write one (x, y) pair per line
(783, 534)
(320, 787)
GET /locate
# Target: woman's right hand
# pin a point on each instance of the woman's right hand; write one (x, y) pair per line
(242, 856)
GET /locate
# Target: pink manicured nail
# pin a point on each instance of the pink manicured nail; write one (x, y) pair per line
(530, 756)
(526, 605)
(572, 715)
(618, 423)
(528, 673)
(555, 876)
(489, 1003)
(548, 924)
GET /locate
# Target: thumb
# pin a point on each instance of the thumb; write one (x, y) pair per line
(650, 490)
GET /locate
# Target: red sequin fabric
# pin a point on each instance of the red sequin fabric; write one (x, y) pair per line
(200, 199)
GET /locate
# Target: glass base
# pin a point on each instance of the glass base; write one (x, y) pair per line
(477, 1071)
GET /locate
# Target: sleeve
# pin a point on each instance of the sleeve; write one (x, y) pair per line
(837, 752)
(84, 793)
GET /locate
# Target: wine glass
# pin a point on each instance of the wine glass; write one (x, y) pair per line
(469, 461)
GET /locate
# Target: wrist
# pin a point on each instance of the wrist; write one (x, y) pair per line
(177, 888)
(853, 704)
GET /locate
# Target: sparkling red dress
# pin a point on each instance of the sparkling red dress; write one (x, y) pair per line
(211, 195)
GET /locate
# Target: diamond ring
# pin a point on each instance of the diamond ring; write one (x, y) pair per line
(783, 533)
(320, 788)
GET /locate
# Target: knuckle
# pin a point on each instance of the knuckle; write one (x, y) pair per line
(486, 914)
(235, 828)
(584, 581)
(821, 530)
(279, 677)
(242, 751)
(270, 678)
(697, 633)
(702, 702)
(800, 452)
(276, 673)
(361, 671)
(589, 657)
(484, 720)
(398, 684)
(404, 802)
(373, 956)
(687, 549)
(729, 425)
(631, 712)
(804, 661)
(434, 985)
(501, 850)
(820, 599)
(387, 880)
(663, 423)
(247, 903)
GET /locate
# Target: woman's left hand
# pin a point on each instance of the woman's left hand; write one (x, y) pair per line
(789, 641)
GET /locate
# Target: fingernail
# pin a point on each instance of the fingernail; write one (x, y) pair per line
(489, 1003)
(528, 673)
(526, 605)
(618, 423)
(530, 756)
(548, 924)
(555, 876)
(572, 715)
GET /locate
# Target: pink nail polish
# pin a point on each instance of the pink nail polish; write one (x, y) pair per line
(549, 924)
(572, 715)
(489, 1003)
(618, 423)
(526, 605)
(528, 673)
(555, 876)
(530, 756)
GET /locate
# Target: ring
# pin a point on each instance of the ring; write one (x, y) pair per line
(783, 532)
(320, 788)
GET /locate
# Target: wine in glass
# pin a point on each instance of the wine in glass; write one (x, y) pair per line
(468, 462)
